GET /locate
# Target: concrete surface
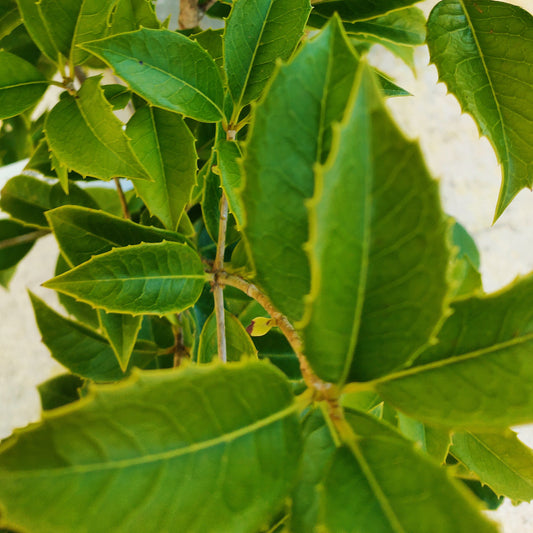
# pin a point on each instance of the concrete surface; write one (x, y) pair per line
(469, 177)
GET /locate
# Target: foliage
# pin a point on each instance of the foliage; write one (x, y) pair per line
(276, 327)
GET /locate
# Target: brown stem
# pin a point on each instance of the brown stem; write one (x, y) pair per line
(22, 239)
(189, 16)
(180, 350)
(123, 201)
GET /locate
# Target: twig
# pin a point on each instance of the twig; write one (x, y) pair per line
(22, 239)
(123, 202)
(189, 16)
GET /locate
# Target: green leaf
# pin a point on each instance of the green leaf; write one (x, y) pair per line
(353, 10)
(480, 373)
(9, 18)
(165, 146)
(289, 134)
(156, 279)
(59, 391)
(27, 199)
(465, 266)
(378, 247)
(228, 156)
(167, 69)
(239, 343)
(85, 135)
(21, 85)
(16, 241)
(483, 53)
(37, 28)
(132, 14)
(257, 33)
(83, 233)
(15, 140)
(211, 41)
(80, 349)
(117, 95)
(380, 483)
(405, 26)
(500, 460)
(176, 438)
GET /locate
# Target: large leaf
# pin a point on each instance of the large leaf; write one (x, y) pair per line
(21, 85)
(480, 373)
(257, 33)
(167, 69)
(165, 146)
(353, 10)
(27, 199)
(152, 449)
(378, 247)
(483, 51)
(239, 344)
(80, 349)
(380, 483)
(290, 133)
(150, 278)
(84, 134)
(500, 461)
(82, 233)
(16, 241)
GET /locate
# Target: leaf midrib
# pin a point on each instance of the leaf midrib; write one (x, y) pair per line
(156, 457)
(455, 359)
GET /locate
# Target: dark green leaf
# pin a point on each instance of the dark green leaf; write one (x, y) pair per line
(178, 438)
(257, 33)
(378, 248)
(480, 373)
(289, 134)
(353, 10)
(165, 146)
(84, 134)
(152, 279)
(167, 69)
(132, 14)
(483, 51)
(80, 349)
(16, 241)
(59, 391)
(21, 85)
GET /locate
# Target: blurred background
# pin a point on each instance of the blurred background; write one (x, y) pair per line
(469, 176)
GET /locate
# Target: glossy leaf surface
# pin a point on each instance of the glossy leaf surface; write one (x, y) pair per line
(257, 33)
(155, 279)
(167, 69)
(378, 248)
(180, 441)
(239, 343)
(165, 147)
(290, 133)
(84, 134)
(382, 484)
(500, 460)
(80, 349)
(483, 51)
(21, 85)
(485, 345)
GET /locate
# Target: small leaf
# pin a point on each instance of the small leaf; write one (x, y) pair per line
(500, 460)
(21, 85)
(260, 326)
(378, 248)
(381, 483)
(198, 433)
(165, 146)
(257, 33)
(27, 199)
(133, 14)
(167, 69)
(80, 349)
(228, 155)
(84, 134)
(483, 53)
(82, 233)
(479, 375)
(239, 344)
(155, 279)
(289, 134)
(16, 241)
(59, 391)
